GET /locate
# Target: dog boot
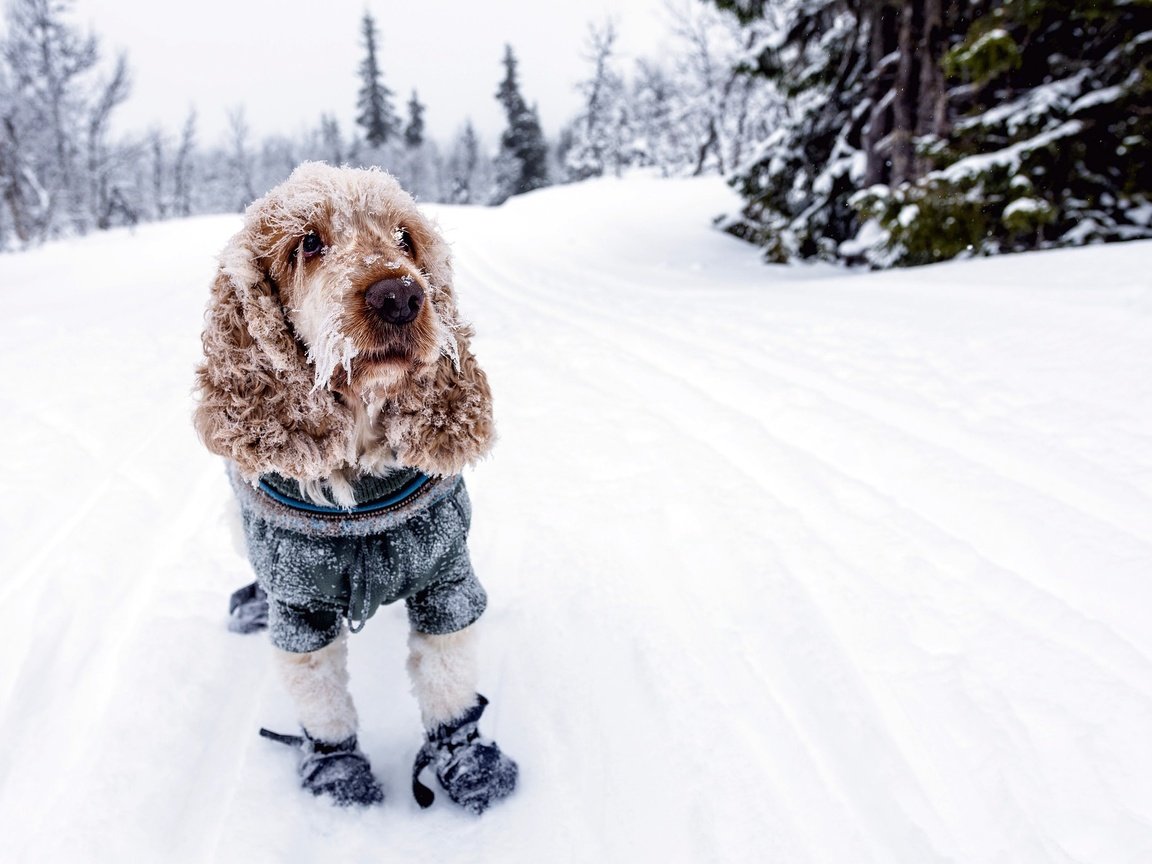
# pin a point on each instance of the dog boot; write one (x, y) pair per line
(472, 770)
(248, 609)
(339, 770)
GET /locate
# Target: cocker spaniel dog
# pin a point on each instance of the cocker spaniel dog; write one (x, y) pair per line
(338, 384)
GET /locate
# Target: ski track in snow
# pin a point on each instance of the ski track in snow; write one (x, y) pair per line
(785, 564)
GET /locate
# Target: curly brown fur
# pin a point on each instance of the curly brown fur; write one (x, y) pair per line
(300, 376)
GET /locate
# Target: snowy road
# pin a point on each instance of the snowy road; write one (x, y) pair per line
(784, 565)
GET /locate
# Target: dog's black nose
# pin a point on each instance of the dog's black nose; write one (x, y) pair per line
(397, 301)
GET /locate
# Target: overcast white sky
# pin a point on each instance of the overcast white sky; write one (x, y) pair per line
(290, 61)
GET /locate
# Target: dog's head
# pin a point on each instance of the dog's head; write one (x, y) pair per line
(337, 289)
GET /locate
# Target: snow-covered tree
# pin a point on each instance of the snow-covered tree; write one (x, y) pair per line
(718, 112)
(332, 146)
(56, 161)
(376, 115)
(182, 166)
(107, 203)
(658, 138)
(239, 178)
(522, 163)
(600, 137)
(797, 184)
(1047, 139)
(917, 130)
(469, 170)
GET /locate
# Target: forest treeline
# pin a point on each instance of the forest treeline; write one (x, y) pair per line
(882, 132)
(63, 173)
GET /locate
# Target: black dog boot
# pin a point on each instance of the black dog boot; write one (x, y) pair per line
(338, 770)
(248, 609)
(472, 770)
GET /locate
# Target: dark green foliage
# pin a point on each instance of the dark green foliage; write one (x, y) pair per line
(931, 221)
(1060, 90)
(920, 130)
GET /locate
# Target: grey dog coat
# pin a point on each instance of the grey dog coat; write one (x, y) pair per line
(406, 539)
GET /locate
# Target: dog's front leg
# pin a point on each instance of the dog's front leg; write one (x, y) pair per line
(444, 674)
(332, 763)
(472, 770)
(317, 682)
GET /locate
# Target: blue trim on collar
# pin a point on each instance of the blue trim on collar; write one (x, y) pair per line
(418, 482)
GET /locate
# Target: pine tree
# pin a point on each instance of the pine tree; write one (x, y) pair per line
(797, 186)
(414, 131)
(374, 103)
(522, 164)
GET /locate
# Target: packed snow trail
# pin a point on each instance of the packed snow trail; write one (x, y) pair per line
(785, 565)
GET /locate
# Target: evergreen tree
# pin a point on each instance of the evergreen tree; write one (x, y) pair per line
(522, 164)
(797, 186)
(374, 103)
(414, 131)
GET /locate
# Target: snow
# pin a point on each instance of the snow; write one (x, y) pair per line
(1035, 105)
(870, 235)
(1097, 97)
(1009, 156)
(1023, 205)
(784, 564)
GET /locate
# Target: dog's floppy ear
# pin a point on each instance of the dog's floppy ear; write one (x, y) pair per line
(446, 424)
(257, 404)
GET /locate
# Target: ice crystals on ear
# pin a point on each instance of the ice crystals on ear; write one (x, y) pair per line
(449, 346)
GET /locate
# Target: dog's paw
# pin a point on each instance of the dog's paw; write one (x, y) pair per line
(340, 771)
(337, 770)
(472, 770)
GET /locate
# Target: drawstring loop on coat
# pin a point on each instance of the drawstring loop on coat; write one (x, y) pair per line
(360, 594)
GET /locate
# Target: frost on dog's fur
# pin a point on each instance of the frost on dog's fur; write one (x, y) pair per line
(268, 393)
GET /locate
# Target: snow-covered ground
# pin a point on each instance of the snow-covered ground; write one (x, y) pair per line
(785, 565)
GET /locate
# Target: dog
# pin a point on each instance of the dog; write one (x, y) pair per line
(339, 385)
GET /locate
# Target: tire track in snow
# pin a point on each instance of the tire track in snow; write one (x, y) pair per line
(1118, 504)
(1135, 676)
(818, 622)
(887, 432)
(78, 513)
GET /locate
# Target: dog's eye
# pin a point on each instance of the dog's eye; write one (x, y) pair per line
(404, 241)
(312, 245)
